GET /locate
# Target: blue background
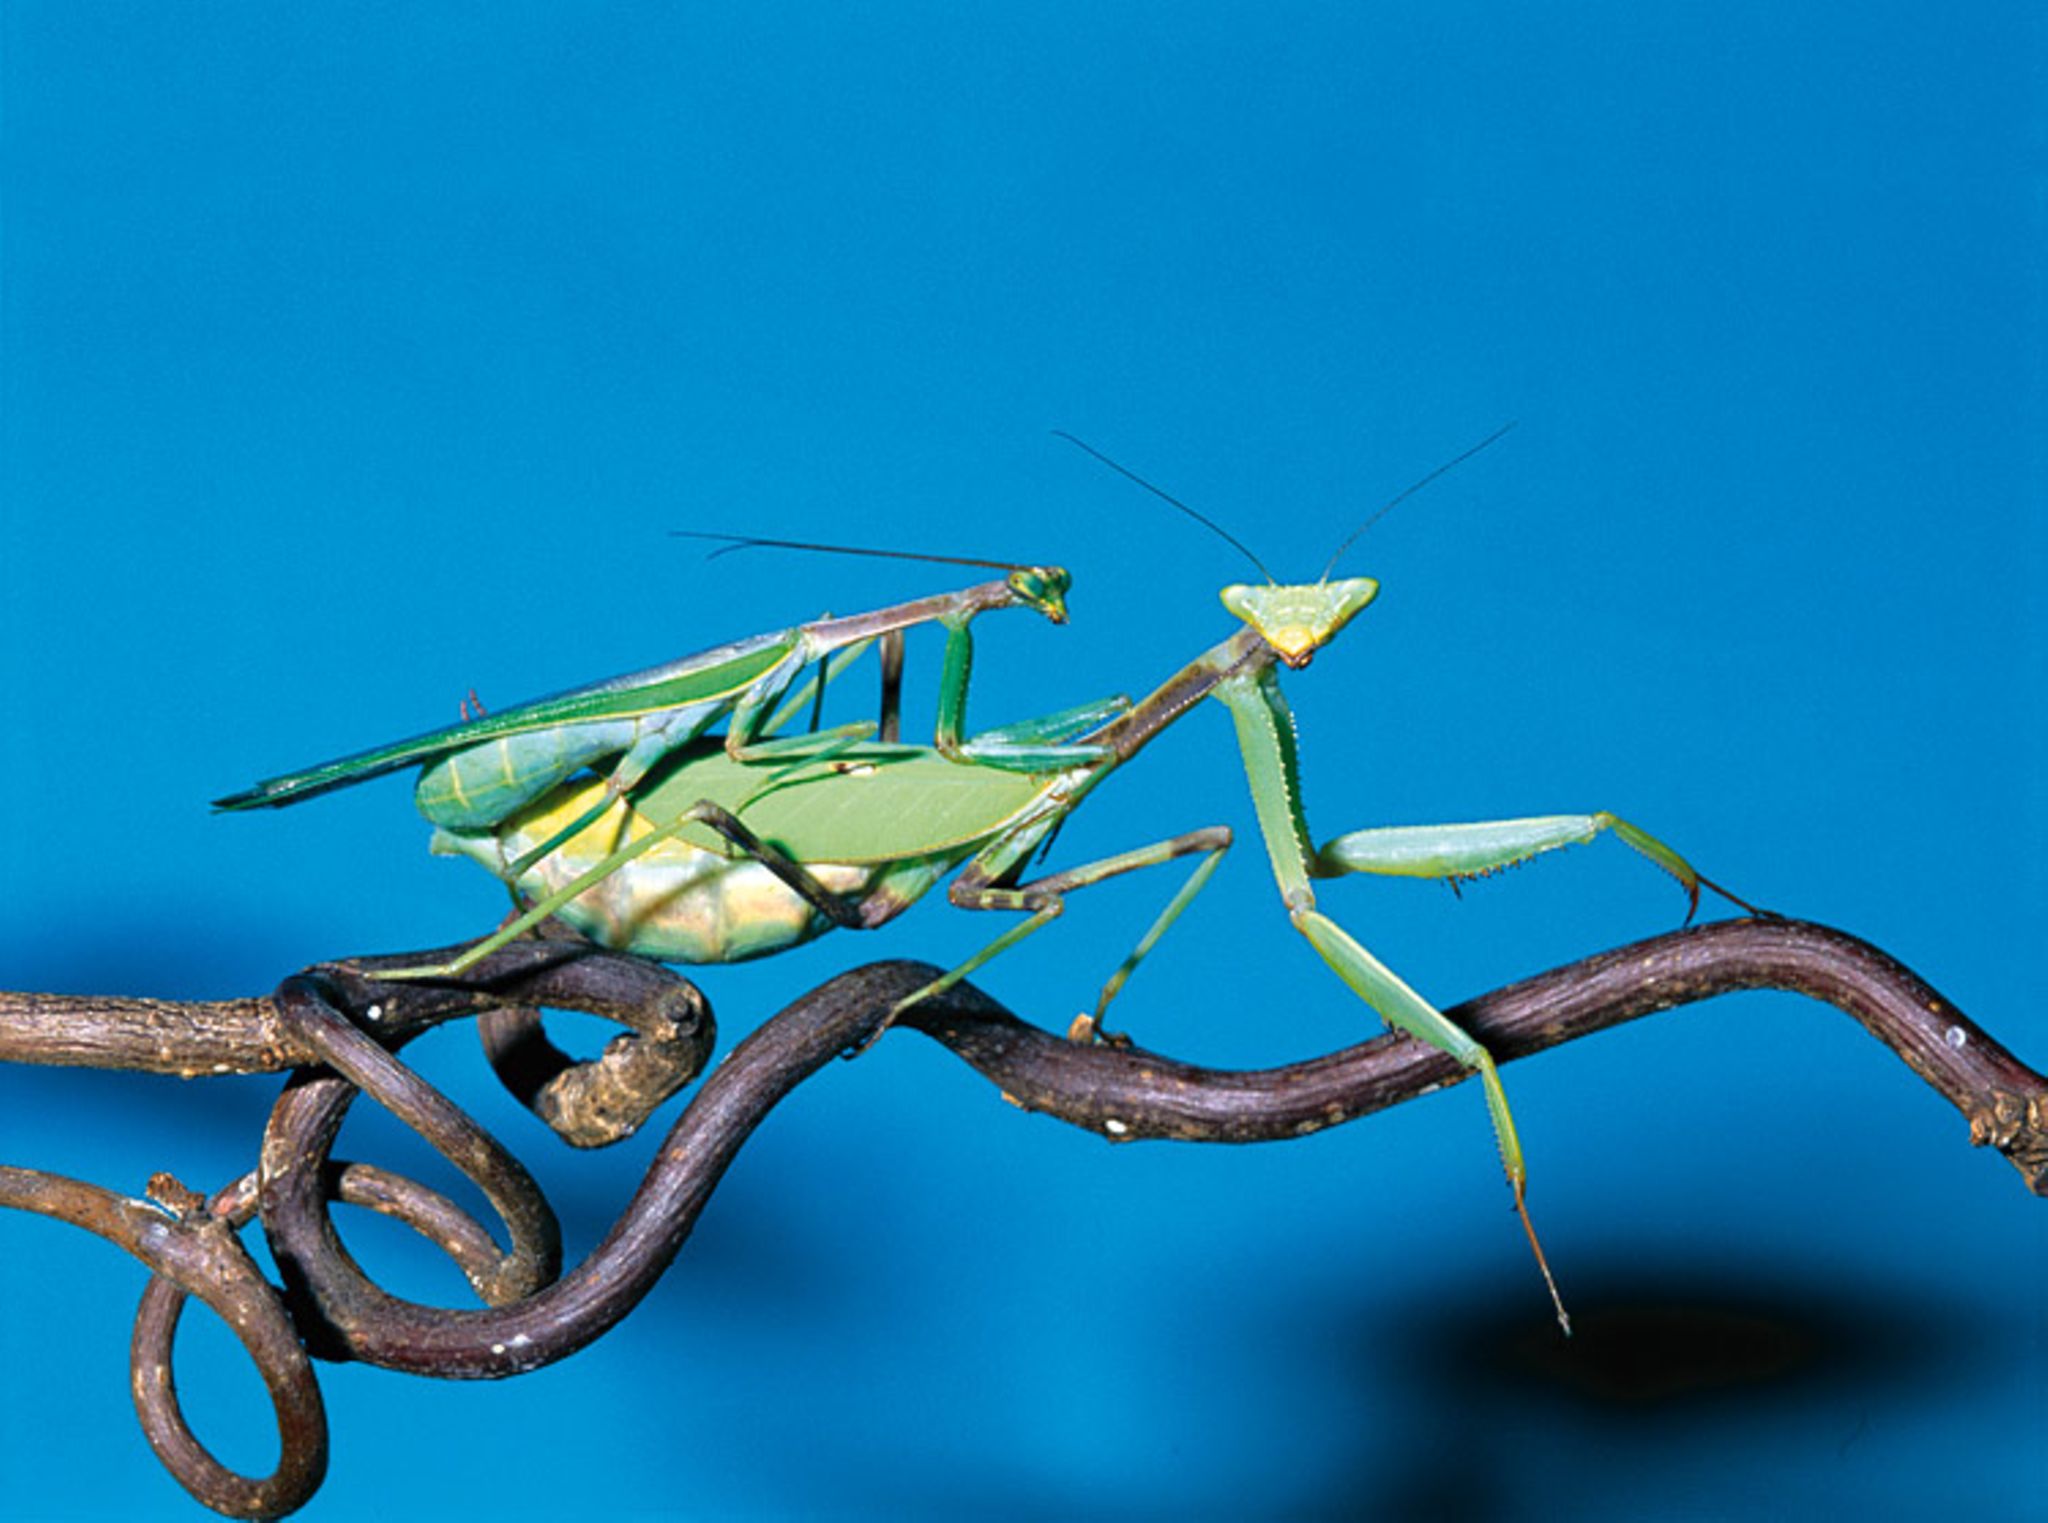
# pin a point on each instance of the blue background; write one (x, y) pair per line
(358, 355)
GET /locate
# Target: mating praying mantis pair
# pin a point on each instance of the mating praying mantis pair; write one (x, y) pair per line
(615, 806)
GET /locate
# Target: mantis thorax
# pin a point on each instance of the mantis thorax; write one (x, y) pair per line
(1298, 621)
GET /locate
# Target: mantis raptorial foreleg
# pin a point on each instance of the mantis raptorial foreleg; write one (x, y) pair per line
(1017, 748)
(1452, 852)
(1041, 744)
(1265, 735)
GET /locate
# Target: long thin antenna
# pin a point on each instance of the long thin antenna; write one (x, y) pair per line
(734, 542)
(1403, 496)
(1205, 521)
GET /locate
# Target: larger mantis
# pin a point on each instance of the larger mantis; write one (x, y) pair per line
(704, 849)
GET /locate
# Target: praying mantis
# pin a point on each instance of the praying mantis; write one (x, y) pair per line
(614, 806)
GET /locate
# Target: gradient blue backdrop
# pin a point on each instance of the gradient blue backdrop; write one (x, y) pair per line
(358, 355)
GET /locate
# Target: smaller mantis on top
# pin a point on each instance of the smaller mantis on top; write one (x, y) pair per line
(481, 772)
(696, 848)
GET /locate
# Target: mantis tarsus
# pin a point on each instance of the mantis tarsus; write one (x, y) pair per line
(699, 848)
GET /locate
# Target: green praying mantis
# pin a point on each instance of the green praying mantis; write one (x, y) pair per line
(616, 807)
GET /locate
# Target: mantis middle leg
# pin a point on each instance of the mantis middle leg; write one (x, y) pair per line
(980, 887)
(1452, 852)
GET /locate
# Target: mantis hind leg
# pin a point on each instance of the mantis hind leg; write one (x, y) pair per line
(634, 766)
(835, 907)
(1044, 900)
(1452, 852)
(1408, 1011)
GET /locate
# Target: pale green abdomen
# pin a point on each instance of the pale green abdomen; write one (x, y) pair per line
(879, 824)
(679, 903)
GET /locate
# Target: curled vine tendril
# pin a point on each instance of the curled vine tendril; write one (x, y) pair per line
(337, 1030)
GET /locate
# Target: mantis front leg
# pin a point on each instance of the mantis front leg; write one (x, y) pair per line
(1036, 746)
(1265, 733)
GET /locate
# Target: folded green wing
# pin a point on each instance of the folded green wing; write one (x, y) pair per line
(713, 676)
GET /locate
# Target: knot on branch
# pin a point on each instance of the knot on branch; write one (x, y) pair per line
(2016, 1123)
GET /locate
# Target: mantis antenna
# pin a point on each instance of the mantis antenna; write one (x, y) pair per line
(1202, 519)
(1405, 494)
(734, 542)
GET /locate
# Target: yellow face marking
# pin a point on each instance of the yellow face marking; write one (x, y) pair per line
(1293, 641)
(1298, 621)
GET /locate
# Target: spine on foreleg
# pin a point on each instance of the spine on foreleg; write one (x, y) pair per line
(1266, 739)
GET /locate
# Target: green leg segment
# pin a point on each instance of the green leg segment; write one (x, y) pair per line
(1204, 870)
(1044, 744)
(621, 780)
(1266, 736)
(811, 692)
(1452, 852)
(1044, 899)
(1018, 748)
(833, 906)
(1408, 1011)
(891, 724)
(811, 746)
(1055, 728)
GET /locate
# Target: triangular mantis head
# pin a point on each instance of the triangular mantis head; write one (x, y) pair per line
(1298, 621)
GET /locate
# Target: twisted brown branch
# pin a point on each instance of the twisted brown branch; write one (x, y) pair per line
(193, 1251)
(340, 1024)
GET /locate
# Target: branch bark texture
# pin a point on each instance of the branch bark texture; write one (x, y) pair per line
(337, 1028)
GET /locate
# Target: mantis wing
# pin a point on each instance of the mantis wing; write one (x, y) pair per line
(713, 680)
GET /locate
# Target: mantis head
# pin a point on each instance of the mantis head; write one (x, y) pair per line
(1043, 588)
(1299, 621)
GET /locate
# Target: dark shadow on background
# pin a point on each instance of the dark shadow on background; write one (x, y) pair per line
(1502, 1417)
